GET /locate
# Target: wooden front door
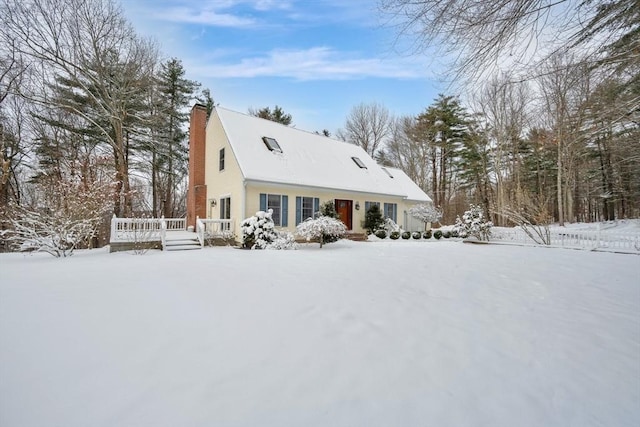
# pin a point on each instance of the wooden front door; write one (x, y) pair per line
(345, 212)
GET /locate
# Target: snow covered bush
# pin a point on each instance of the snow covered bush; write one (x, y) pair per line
(381, 234)
(284, 240)
(390, 226)
(416, 235)
(425, 212)
(61, 227)
(427, 234)
(395, 235)
(258, 231)
(437, 234)
(406, 235)
(328, 209)
(323, 228)
(473, 224)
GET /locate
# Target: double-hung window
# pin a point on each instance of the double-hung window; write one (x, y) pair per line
(391, 211)
(367, 205)
(306, 207)
(279, 204)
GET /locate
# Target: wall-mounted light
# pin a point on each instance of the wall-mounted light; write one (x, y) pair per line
(213, 203)
(357, 206)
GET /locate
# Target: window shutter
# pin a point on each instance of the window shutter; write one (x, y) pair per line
(298, 210)
(285, 211)
(367, 206)
(263, 202)
(316, 206)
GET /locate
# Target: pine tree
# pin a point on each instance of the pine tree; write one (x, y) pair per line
(170, 150)
(277, 115)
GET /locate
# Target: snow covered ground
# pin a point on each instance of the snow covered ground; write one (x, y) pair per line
(404, 333)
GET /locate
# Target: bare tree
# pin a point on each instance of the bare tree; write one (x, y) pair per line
(481, 35)
(503, 107)
(95, 65)
(367, 125)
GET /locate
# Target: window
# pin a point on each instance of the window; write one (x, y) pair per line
(225, 208)
(280, 206)
(359, 162)
(225, 212)
(306, 207)
(272, 144)
(367, 205)
(221, 161)
(391, 211)
(388, 173)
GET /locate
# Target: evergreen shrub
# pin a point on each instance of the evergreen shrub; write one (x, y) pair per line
(395, 235)
(426, 234)
(416, 235)
(381, 234)
(437, 234)
(406, 235)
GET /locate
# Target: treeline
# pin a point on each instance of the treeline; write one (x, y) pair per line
(556, 138)
(563, 148)
(87, 105)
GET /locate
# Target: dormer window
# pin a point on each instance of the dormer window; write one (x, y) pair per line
(272, 144)
(388, 173)
(358, 162)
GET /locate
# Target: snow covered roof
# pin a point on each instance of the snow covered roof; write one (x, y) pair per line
(308, 159)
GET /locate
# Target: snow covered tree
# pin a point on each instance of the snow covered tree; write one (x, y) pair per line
(473, 224)
(425, 212)
(323, 228)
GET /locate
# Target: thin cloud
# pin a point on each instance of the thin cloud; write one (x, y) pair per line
(317, 63)
(205, 17)
(221, 13)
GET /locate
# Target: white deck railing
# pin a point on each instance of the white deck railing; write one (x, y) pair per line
(590, 240)
(214, 228)
(156, 229)
(136, 229)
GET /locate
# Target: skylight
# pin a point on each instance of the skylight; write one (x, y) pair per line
(359, 162)
(388, 173)
(272, 144)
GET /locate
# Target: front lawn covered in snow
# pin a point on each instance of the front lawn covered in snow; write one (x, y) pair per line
(385, 333)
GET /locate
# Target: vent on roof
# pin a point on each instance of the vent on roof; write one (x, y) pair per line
(272, 144)
(359, 162)
(388, 173)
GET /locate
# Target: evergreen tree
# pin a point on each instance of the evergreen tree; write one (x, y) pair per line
(170, 150)
(329, 209)
(373, 219)
(277, 115)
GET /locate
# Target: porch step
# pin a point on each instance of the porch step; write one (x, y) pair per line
(356, 237)
(181, 244)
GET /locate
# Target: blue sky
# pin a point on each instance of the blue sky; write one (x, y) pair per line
(314, 58)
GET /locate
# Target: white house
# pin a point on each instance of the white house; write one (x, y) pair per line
(239, 164)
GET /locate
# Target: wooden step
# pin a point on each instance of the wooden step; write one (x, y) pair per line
(181, 244)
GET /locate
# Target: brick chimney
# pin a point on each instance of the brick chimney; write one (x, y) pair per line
(197, 191)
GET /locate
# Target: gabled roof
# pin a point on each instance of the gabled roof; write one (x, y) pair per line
(308, 159)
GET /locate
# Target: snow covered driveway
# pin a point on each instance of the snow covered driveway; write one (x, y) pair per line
(356, 334)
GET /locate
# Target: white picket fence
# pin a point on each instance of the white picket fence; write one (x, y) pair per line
(589, 240)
